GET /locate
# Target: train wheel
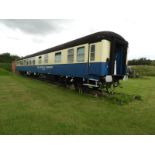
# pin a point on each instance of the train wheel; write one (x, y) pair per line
(78, 85)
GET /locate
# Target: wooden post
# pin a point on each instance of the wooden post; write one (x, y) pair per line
(13, 66)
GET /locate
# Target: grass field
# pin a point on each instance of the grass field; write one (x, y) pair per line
(29, 106)
(144, 70)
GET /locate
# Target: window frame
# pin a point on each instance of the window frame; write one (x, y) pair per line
(21, 62)
(70, 55)
(33, 62)
(40, 59)
(77, 55)
(30, 62)
(46, 58)
(24, 62)
(92, 52)
(56, 59)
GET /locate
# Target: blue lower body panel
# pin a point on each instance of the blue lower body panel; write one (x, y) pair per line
(93, 70)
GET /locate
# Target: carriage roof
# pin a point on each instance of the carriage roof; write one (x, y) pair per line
(92, 38)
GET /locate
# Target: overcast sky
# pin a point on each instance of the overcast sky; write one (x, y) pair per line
(134, 21)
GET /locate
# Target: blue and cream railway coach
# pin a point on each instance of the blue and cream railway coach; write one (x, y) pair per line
(91, 60)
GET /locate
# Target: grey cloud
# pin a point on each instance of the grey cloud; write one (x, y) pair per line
(35, 26)
(38, 40)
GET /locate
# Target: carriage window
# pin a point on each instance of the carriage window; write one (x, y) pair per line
(80, 54)
(58, 57)
(24, 62)
(21, 63)
(39, 60)
(92, 53)
(18, 63)
(70, 55)
(33, 62)
(46, 58)
(29, 62)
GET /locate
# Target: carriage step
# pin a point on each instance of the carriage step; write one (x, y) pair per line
(90, 85)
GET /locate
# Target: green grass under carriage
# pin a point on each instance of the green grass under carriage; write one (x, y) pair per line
(30, 106)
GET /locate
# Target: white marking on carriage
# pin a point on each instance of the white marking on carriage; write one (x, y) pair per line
(108, 78)
(115, 68)
(49, 67)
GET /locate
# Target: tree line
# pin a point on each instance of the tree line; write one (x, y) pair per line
(8, 58)
(141, 61)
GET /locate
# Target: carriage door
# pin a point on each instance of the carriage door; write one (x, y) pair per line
(91, 59)
(119, 57)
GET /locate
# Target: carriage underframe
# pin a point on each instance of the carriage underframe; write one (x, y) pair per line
(81, 85)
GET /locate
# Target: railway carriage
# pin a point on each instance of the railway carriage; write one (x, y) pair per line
(97, 60)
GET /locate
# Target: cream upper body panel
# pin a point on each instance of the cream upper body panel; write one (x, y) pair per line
(64, 53)
(85, 53)
(98, 52)
(105, 50)
(102, 52)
